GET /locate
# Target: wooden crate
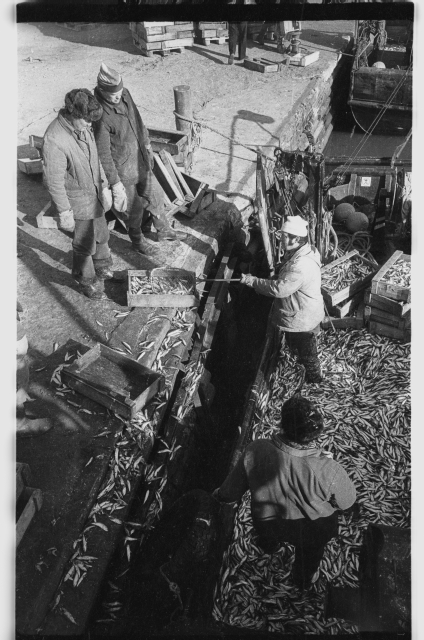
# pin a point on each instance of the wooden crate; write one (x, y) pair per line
(181, 28)
(371, 313)
(202, 26)
(388, 289)
(304, 59)
(381, 329)
(344, 308)
(30, 166)
(113, 379)
(397, 309)
(161, 300)
(172, 141)
(263, 65)
(333, 298)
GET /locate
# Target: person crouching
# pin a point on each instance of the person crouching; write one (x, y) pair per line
(295, 488)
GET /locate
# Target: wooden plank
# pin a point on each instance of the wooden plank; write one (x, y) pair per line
(198, 198)
(179, 175)
(165, 179)
(262, 213)
(342, 323)
(187, 26)
(257, 64)
(34, 498)
(171, 173)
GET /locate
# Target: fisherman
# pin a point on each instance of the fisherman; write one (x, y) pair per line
(299, 307)
(295, 488)
(78, 187)
(126, 154)
(237, 35)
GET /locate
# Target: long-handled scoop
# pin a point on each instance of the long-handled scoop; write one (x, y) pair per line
(219, 280)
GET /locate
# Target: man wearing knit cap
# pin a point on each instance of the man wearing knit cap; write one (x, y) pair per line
(298, 308)
(127, 157)
(78, 187)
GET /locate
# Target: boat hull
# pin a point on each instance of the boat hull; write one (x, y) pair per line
(392, 122)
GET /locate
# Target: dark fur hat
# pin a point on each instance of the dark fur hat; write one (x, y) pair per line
(300, 420)
(80, 103)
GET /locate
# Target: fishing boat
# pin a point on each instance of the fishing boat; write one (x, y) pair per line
(380, 93)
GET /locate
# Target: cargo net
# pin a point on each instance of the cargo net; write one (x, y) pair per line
(365, 401)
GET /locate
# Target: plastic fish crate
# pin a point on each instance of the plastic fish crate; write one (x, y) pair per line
(162, 299)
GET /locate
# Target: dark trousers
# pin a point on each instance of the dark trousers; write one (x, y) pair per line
(308, 537)
(90, 249)
(145, 200)
(237, 35)
(304, 344)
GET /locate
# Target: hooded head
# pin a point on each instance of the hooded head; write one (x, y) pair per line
(110, 84)
(300, 420)
(81, 108)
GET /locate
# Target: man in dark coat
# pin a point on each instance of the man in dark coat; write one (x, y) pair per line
(237, 35)
(78, 187)
(295, 488)
(127, 157)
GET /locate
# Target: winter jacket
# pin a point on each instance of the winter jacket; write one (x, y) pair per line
(299, 305)
(72, 171)
(288, 483)
(121, 139)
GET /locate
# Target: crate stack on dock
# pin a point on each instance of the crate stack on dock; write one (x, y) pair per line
(162, 37)
(207, 32)
(388, 301)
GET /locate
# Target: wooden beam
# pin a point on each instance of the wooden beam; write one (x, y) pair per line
(179, 175)
(164, 157)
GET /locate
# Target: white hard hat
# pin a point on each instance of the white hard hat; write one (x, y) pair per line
(296, 226)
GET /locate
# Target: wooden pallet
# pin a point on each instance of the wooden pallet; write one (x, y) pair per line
(207, 41)
(163, 48)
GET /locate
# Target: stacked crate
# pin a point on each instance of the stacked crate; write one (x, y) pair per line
(162, 37)
(388, 309)
(207, 32)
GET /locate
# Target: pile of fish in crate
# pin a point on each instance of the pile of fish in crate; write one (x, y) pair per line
(161, 36)
(365, 402)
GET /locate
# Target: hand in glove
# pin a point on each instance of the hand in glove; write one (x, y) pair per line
(119, 196)
(66, 220)
(247, 278)
(151, 157)
(107, 199)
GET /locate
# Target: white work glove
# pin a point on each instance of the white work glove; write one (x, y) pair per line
(247, 278)
(106, 199)
(151, 157)
(66, 220)
(119, 196)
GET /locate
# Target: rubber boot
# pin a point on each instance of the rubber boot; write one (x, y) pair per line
(280, 46)
(92, 289)
(164, 230)
(138, 241)
(308, 356)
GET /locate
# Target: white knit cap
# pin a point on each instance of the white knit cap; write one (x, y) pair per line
(108, 79)
(296, 226)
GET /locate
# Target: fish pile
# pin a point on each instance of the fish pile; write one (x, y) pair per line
(125, 466)
(153, 285)
(345, 273)
(399, 273)
(365, 402)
